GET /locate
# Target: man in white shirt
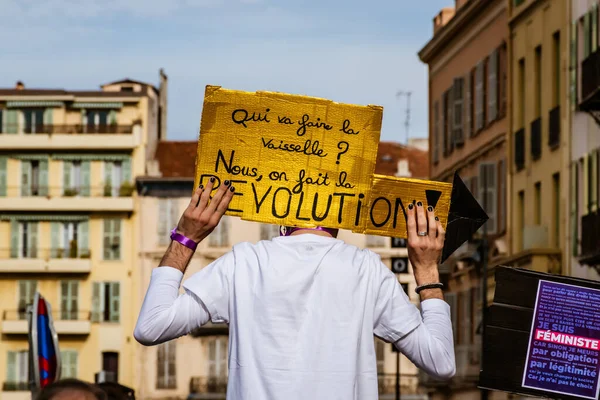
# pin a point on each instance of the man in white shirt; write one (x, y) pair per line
(302, 310)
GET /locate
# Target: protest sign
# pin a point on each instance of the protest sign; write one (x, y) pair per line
(305, 161)
(542, 336)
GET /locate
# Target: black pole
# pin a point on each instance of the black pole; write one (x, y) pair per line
(398, 375)
(484, 285)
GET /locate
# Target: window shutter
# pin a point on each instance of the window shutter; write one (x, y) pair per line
(458, 111)
(488, 196)
(502, 196)
(43, 177)
(33, 239)
(160, 365)
(11, 367)
(64, 300)
(112, 117)
(97, 301)
(55, 250)
(11, 120)
(586, 35)
(574, 209)
(107, 245)
(84, 189)
(172, 363)
(3, 175)
(450, 121)
(163, 212)
(74, 300)
(479, 97)
(436, 132)
(492, 87)
(115, 302)
(108, 174)
(126, 170)
(67, 173)
(116, 239)
(467, 131)
(443, 127)
(224, 231)
(212, 358)
(451, 300)
(14, 239)
(25, 178)
(174, 213)
(83, 230)
(574, 66)
(48, 117)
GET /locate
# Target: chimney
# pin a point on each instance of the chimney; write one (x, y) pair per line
(20, 85)
(162, 105)
(442, 18)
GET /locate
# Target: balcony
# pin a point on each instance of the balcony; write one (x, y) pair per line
(554, 128)
(201, 387)
(590, 239)
(520, 149)
(33, 260)
(590, 83)
(73, 137)
(65, 322)
(44, 199)
(536, 139)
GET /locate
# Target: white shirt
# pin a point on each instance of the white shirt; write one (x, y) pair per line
(302, 311)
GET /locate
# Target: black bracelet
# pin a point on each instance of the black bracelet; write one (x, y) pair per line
(429, 286)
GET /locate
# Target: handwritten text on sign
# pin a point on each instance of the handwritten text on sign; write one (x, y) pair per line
(301, 161)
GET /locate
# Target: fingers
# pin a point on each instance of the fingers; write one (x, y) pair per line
(441, 234)
(223, 205)
(431, 223)
(214, 203)
(205, 197)
(411, 223)
(195, 197)
(421, 218)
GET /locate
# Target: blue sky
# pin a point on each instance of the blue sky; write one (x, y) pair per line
(350, 51)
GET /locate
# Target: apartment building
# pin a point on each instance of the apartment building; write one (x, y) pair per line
(68, 163)
(196, 365)
(539, 153)
(583, 247)
(468, 124)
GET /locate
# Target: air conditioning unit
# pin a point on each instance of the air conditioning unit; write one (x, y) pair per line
(535, 236)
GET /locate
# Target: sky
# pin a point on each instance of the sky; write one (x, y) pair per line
(358, 52)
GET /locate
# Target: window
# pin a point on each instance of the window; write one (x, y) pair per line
(69, 239)
(521, 92)
(465, 315)
(436, 132)
(538, 81)
(68, 364)
(10, 121)
(34, 120)
(76, 178)
(503, 80)
(488, 189)
(110, 363)
(69, 300)
(220, 236)
(24, 239)
(96, 118)
(17, 370)
(444, 123)
(34, 178)
(398, 243)
(27, 290)
(556, 68)
(380, 355)
(106, 302)
(217, 357)
(268, 231)
(451, 299)
(479, 97)
(116, 174)
(457, 126)
(574, 209)
(3, 171)
(556, 207)
(592, 182)
(573, 67)
(468, 107)
(501, 196)
(537, 198)
(492, 87)
(166, 375)
(112, 239)
(375, 241)
(168, 218)
(521, 217)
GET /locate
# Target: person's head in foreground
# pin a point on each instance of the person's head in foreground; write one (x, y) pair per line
(71, 389)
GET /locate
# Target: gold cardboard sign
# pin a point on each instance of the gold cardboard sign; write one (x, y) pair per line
(304, 161)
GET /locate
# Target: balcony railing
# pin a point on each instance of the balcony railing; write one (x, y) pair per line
(68, 129)
(590, 239)
(124, 189)
(520, 149)
(554, 128)
(590, 82)
(205, 385)
(15, 386)
(536, 139)
(57, 315)
(34, 252)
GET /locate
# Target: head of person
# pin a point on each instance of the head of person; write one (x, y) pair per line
(71, 389)
(319, 230)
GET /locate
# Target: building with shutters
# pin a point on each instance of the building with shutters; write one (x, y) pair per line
(68, 163)
(196, 364)
(583, 233)
(468, 125)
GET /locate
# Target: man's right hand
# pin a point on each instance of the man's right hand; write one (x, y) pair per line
(203, 214)
(425, 250)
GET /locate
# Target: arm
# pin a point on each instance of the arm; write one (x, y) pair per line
(165, 314)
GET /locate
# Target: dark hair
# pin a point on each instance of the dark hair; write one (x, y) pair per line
(57, 387)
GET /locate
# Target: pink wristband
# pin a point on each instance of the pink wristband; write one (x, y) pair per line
(187, 242)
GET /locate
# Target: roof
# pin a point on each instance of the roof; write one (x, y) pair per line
(128, 80)
(61, 92)
(389, 153)
(177, 159)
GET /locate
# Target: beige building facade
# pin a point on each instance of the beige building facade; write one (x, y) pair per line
(68, 163)
(196, 365)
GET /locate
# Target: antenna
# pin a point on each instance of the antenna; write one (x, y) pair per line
(399, 94)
